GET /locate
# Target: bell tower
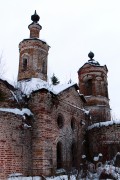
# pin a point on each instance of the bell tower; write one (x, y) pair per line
(93, 84)
(33, 53)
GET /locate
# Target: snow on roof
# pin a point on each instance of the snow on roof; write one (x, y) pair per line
(101, 124)
(17, 111)
(93, 62)
(61, 87)
(34, 84)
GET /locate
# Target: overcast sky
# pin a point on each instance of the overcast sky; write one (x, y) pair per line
(72, 28)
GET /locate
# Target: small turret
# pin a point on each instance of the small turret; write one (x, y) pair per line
(93, 84)
(35, 27)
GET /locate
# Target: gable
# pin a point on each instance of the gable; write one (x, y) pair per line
(72, 96)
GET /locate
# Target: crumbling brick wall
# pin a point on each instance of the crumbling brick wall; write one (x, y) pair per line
(104, 140)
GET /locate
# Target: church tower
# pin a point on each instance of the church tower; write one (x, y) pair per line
(33, 53)
(93, 84)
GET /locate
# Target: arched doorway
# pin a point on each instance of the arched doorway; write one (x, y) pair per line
(59, 155)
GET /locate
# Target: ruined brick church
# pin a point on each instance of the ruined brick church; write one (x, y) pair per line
(45, 127)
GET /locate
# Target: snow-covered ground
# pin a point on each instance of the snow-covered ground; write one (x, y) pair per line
(106, 169)
(64, 177)
(24, 178)
(88, 171)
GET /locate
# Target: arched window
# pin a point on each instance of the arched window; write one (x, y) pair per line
(25, 62)
(106, 90)
(59, 155)
(88, 85)
(60, 121)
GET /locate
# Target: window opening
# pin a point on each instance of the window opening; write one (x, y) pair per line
(24, 64)
(60, 121)
(89, 87)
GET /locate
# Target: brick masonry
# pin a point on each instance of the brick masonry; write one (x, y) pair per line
(93, 84)
(46, 133)
(56, 122)
(14, 146)
(34, 151)
(104, 140)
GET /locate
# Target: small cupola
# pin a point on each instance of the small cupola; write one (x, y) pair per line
(91, 60)
(35, 27)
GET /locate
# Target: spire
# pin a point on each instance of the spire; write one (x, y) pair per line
(35, 18)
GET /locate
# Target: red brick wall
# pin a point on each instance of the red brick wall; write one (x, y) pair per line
(6, 97)
(15, 146)
(46, 133)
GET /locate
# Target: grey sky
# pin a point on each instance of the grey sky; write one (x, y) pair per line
(72, 28)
